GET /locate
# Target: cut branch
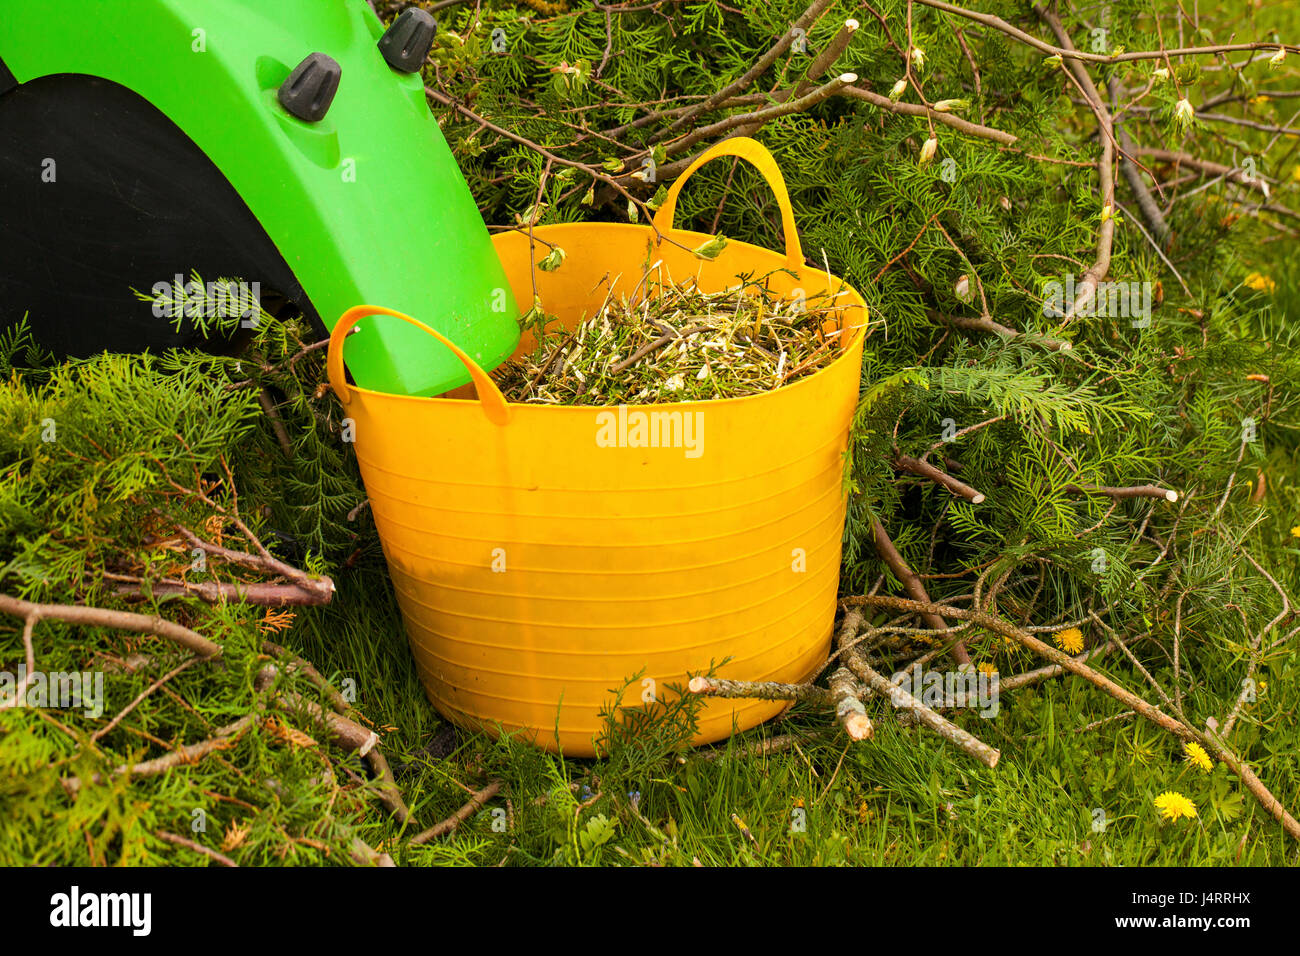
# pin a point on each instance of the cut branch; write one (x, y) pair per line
(911, 583)
(1087, 287)
(986, 323)
(119, 620)
(947, 119)
(760, 690)
(761, 66)
(849, 709)
(450, 824)
(1213, 744)
(927, 470)
(902, 700)
(1134, 491)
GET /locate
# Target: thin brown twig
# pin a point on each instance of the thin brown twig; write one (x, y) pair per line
(450, 824)
(119, 620)
(196, 847)
(911, 583)
(1214, 745)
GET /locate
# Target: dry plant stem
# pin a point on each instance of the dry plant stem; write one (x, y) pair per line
(912, 584)
(119, 620)
(1135, 491)
(460, 816)
(927, 470)
(350, 735)
(260, 594)
(760, 690)
(1087, 287)
(196, 847)
(191, 753)
(947, 119)
(761, 66)
(363, 854)
(827, 57)
(672, 335)
(1068, 52)
(277, 423)
(849, 709)
(1215, 745)
(904, 701)
(985, 323)
(1051, 670)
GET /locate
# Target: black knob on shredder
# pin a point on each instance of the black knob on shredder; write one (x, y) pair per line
(405, 44)
(310, 88)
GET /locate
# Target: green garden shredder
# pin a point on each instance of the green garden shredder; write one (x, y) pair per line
(286, 143)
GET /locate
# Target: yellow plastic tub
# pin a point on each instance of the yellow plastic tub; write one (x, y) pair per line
(543, 555)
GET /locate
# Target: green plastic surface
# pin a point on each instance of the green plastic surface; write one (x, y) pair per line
(366, 206)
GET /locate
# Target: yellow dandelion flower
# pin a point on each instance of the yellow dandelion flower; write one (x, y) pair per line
(1260, 282)
(1295, 532)
(989, 668)
(1069, 640)
(1174, 806)
(1196, 756)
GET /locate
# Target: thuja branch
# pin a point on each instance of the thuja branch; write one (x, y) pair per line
(1095, 273)
(947, 119)
(1213, 744)
(761, 66)
(118, 620)
(1068, 52)
(985, 323)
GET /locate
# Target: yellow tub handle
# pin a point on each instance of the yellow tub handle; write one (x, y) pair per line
(755, 153)
(494, 403)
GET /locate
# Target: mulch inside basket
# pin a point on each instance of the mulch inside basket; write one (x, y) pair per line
(674, 343)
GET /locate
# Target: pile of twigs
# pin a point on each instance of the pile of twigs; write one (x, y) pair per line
(854, 680)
